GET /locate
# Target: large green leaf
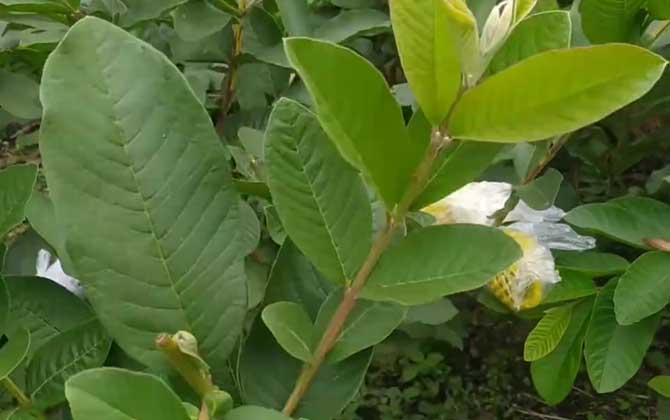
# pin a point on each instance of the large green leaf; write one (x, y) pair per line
(555, 92)
(644, 289)
(16, 186)
(368, 324)
(573, 285)
(630, 220)
(14, 350)
(611, 20)
(198, 19)
(432, 262)
(428, 54)
(330, 221)
(592, 263)
(660, 10)
(614, 352)
(44, 308)
(77, 349)
(554, 374)
(294, 279)
(292, 328)
(357, 110)
(19, 95)
(540, 32)
(161, 184)
(117, 394)
(141, 10)
(548, 332)
(254, 413)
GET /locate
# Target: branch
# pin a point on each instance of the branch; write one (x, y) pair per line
(348, 303)
(553, 151)
(16, 392)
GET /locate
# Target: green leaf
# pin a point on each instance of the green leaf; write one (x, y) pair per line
(541, 193)
(44, 308)
(540, 32)
(428, 54)
(565, 359)
(368, 324)
(614, 352)
(112, 394)
(351, 23)
(14, 350)
(330, 222)
(591, 263)
(16, 186)
(611, 20)
(77, 349)
(359, 114)
(644, 289)
(42, 218)
(462, 26)
(434, 313)
(254, 413)
(37, 6)
(292, 328)
(161, 182)
(141, 10)
(548, 332)
(198, 19)
(4, 303)
(295, 16)
(659, 9)
(630, 220)
(432, 262)
(19, 95)
(464, 164)
(573, 285)
(661, 384)
(294, 279)
(563, 90)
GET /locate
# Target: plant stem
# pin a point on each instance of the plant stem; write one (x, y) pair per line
(553, 151)
(16, 392)
(348, 303)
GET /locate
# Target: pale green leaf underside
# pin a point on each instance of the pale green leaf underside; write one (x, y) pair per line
(644, 289)
(434, 262)
(613, 352)
(555, 92)
(330, 221)
(292, 328)
(112, 394)
(151, 218)
(548, 332)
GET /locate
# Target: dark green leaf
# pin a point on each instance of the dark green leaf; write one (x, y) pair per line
(254, 413)
(611, 20)
(198, 19)
(541, 193)
(16, 186)
(19, 95)
(14, 350)
(292, 328)
(591, 263)
(644, 289)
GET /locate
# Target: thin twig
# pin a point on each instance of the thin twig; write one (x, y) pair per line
(539, 415)
(25, 129)
(553, 151)
(348, 303)
(16, 392)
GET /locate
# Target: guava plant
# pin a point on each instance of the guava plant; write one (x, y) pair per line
(143, 210)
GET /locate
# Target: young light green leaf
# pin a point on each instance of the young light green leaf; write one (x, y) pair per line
(161, 182)
(367, 325)
(547, 334)
(429, 54)
(644, 289)
(591, 263)
(112, 394)
(573, 285)
(292, 328)
(630, 220)
(562, 89)
(44, 308)
(613, 352)
(659, 9)
(198, 19)
(14, 350)
(462, 25)
(433, 262)
(19, 95)
(611, 20)
(16, 186)
(329, 221)
(540, 32)
(359, 114)
(661, 384)
(75, 350)
(565, 359)
(541, 193)
(250, 412)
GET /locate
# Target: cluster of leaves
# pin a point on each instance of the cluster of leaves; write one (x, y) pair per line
(240, 176)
